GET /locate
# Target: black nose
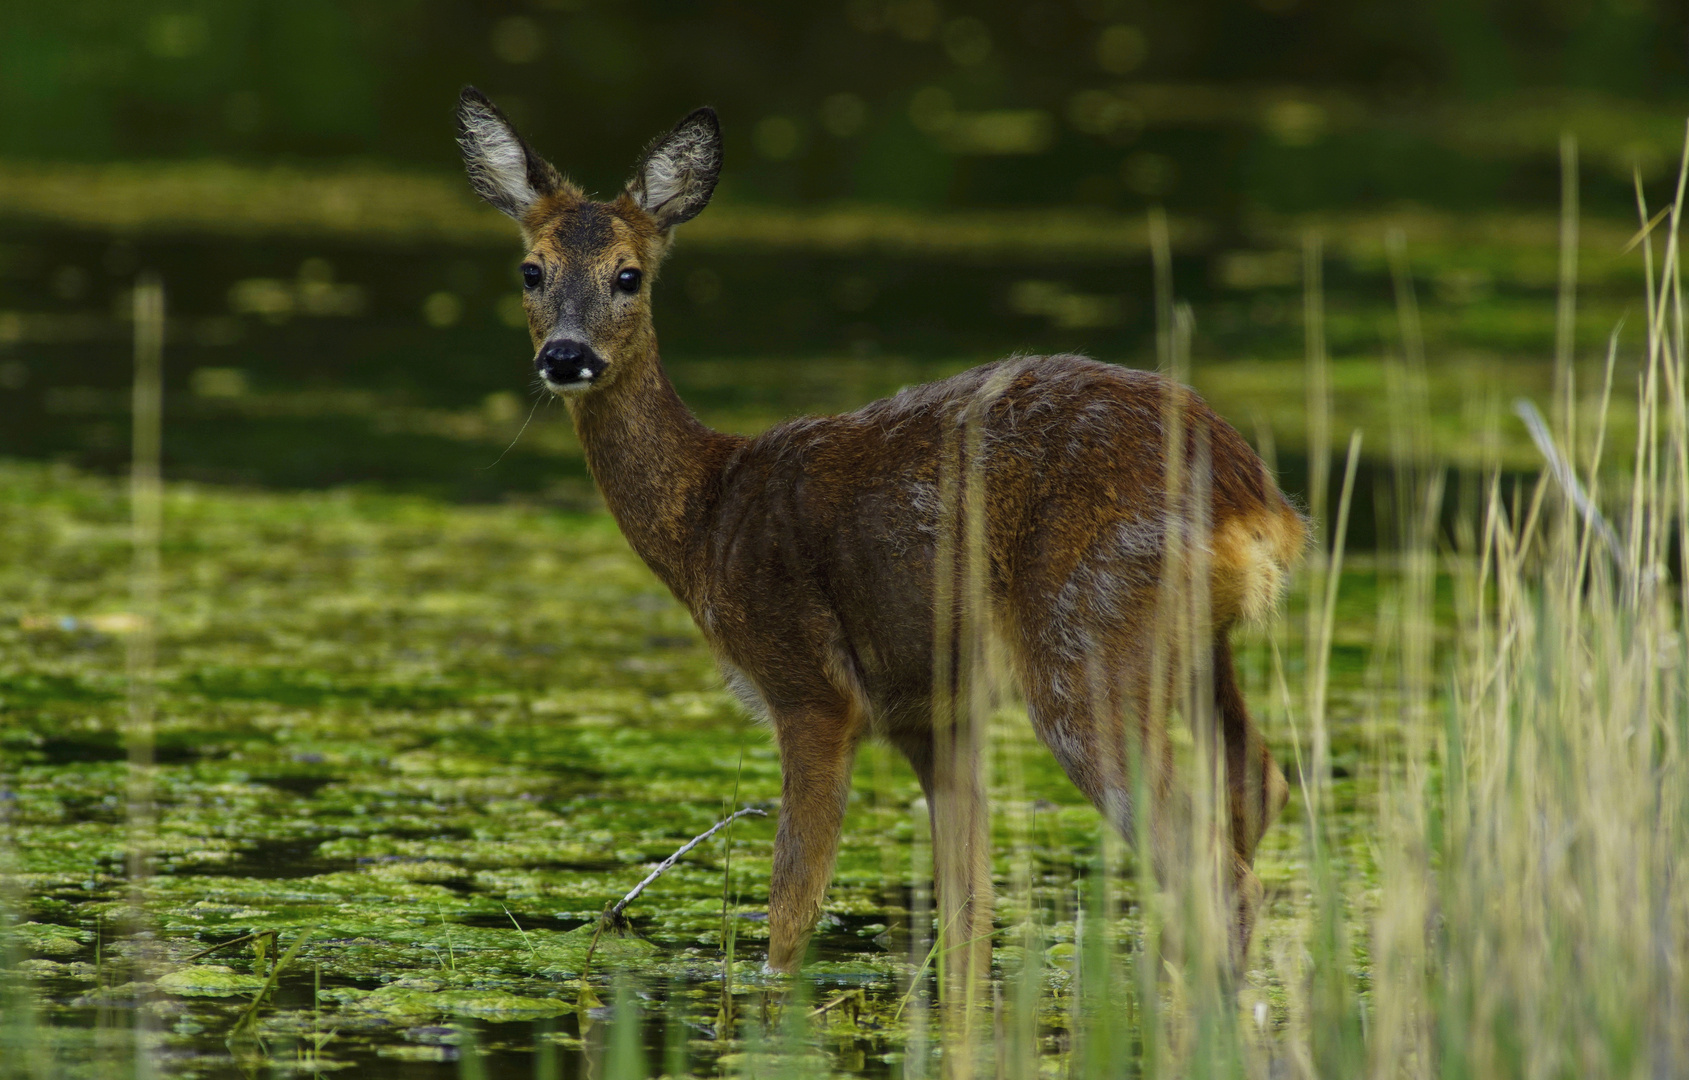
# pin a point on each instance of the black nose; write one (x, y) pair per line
(566, 363)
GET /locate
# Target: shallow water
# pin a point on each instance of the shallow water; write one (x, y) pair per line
(439, 739)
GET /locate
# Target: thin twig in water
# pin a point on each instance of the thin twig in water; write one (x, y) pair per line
(242, 940)
(614, 915)
(838, 1000)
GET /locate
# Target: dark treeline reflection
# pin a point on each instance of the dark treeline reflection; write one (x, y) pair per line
(1206, 106)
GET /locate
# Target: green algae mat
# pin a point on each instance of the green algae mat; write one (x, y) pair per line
(407, 751)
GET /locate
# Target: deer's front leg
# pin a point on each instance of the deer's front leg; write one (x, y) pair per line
(817, 750)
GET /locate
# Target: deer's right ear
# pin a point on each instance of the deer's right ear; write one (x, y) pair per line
(501, 168)
(677, 175)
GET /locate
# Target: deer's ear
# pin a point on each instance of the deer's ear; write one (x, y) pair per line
(678, 172)
(501, 168)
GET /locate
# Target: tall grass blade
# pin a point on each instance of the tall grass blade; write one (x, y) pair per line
(146, 502)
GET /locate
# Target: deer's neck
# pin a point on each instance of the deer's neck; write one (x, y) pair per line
(658, 467)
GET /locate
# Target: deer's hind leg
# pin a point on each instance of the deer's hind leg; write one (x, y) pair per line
(1100, 720)
(961, 852)
(1256, 789)
(1103, 712)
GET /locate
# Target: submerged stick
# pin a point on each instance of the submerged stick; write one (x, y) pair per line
(614, 915)
(242, 940)
(838, 999)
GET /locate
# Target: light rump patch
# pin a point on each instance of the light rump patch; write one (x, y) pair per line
(1250, 558)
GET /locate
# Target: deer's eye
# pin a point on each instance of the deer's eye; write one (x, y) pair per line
(628, 280)
(531, 275)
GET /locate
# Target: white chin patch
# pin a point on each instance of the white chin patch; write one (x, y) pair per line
(585, 380)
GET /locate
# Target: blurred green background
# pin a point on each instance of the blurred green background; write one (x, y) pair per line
(910, 188)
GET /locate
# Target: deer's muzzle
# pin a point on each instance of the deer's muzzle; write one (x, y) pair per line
(567, 364)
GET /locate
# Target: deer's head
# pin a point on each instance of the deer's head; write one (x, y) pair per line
(586, 279)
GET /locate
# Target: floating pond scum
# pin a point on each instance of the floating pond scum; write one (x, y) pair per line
(406, 752)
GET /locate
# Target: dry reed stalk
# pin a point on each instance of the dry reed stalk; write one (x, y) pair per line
(146, 502)
(966, 687)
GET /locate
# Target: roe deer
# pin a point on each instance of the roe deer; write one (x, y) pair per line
(810, 555)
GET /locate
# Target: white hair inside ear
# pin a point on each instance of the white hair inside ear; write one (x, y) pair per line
(496, 159)
(678, 174)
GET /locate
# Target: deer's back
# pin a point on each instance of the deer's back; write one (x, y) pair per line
(826, 530)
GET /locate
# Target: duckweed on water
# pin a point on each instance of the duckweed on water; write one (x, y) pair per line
(208, 980)
(440, 739)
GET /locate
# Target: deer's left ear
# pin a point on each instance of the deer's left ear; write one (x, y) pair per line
(502, 169)
(677, 175)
